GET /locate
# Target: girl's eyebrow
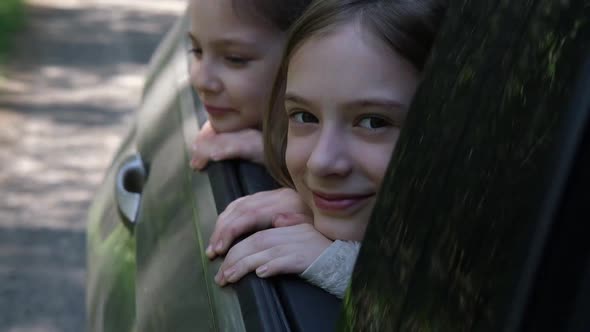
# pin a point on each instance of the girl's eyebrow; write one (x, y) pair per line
(225, 42)
(359, 103)
(376, 102)
(289, 96)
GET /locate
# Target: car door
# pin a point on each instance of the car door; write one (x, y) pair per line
(481, 224)
(110, 283)
(178, 210)
(172, 288)
(152, 217)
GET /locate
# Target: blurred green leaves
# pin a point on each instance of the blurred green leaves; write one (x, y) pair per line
(11, 19)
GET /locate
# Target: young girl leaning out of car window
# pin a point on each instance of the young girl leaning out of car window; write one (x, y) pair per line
(347, 78)
(237, 47)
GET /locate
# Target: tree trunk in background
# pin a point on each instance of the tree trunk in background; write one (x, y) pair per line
(448, 238)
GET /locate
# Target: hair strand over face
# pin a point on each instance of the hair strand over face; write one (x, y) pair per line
(279, 14)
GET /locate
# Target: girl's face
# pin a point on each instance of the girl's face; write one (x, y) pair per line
(235, 62)
(347, 95)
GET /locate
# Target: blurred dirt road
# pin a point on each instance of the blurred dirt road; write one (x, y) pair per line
(66, 97)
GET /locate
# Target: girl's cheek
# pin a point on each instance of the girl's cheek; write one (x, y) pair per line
(376, 163)
(193, 74)
(389, 150)
(296, 155)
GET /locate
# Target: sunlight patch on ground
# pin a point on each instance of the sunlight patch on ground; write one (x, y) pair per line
(11, 86)
(53, 172)
(47, 326)
(65, 104)
(61, 4)
(168, 6)
(65, 85)
(10, 122)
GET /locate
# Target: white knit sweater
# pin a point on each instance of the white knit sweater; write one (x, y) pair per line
(332, 270)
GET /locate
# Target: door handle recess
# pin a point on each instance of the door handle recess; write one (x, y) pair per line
(129, 185)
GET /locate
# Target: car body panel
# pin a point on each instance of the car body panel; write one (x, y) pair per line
(150, 276)
(174, 281)
(110, 259)
(168, 252)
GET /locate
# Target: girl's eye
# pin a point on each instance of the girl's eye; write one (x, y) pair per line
(196, 51)
(304, 117)
(237, 60)
(373, 122)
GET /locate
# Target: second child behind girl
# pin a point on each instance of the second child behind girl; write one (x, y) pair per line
(237, 47)
(347, 79)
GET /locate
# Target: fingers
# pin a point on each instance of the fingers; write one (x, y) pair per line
(242, 216)
(232, 228)
(247, 264)
(245, 144)
(257, 251)
(198, 162)
(281, 265)
(252, 213)
(203, 149)
(248, 255)
(290, 219)
(265, 264)
(200, 149)
(206, 131)
(256, 242)
(273, 251)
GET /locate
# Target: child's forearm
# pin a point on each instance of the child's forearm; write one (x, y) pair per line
(332, 270)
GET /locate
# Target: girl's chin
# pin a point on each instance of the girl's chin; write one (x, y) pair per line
(223, 125)
(228, 125)
(340, 228)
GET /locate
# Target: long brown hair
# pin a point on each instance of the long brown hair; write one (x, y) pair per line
(280, 14)
(407, 26)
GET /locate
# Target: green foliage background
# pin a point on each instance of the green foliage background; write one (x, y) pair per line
(11, 19)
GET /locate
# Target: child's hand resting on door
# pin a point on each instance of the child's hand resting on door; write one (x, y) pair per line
(266, 209)
(209, 145)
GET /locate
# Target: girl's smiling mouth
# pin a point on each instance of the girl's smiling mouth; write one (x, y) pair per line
(217, 111)
(339, 202)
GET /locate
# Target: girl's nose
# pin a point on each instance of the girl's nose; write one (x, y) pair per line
(204, 78)
(330, 155)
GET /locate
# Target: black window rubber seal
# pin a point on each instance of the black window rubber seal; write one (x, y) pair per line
(259, 301)
(307, 308)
